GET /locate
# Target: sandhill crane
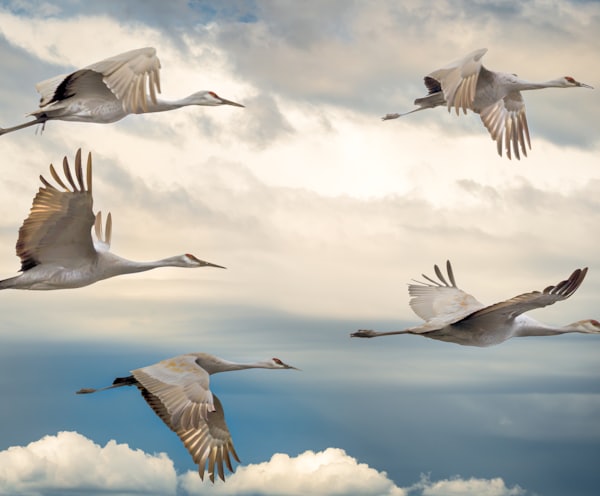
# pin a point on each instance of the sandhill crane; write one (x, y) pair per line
(177, 389)
(109, 90)
(452, 315)
(55, 243)
(495, 96)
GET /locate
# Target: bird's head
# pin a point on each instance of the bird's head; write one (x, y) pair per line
(276, 363)
(189, 260)
(363, 333)
(570, 82)
(210, 98)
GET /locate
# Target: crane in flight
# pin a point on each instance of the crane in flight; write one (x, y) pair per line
(496, 96)
(454, 316)
(178, 391)
(109, 90)
(55, 244)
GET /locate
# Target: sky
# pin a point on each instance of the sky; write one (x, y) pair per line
(322, 214)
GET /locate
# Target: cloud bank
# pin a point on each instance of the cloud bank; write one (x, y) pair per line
(70, 462)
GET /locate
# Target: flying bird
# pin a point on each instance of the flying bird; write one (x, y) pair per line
(177, 389)
(55, 244)
(109, 90)
(495, 96)
(454, 316)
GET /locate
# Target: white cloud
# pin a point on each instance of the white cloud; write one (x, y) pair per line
(328, 472)
(457, 486)
(69, 461)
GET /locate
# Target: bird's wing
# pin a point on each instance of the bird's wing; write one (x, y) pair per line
(102, 242)
(507, 124)
(178, 391)
(509, 309)
(128, 75)
(441, 300)
(48, 88)
(459, 80)
(58, 229)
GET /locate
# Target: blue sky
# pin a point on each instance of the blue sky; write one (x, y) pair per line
(322, 214)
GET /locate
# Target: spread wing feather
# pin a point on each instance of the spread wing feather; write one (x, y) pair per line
(506, 122)
(178, 391)
(128, 74)
(509, 309)
(58, 228)
(441, 300)
(458, 80)
(124, 77)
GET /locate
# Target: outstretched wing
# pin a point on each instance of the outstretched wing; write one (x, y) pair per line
(441, 300)
(132, 78)
(459, 80)
(128, 75)
(58, 229)
(509, 309)
(178, 391)
(506, 122)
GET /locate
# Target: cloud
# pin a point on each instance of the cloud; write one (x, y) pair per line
(69, 461)
(328, 472)
(465, 487)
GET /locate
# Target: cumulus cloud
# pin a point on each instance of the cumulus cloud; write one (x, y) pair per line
(457, 486)
(328, 472)
(69, 461)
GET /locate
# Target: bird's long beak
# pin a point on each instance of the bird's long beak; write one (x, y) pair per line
(208, 264)
(229, 102)
(583, 85)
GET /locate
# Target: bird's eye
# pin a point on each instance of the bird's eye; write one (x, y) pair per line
(213, 94)
(570, 79)
(277, 361)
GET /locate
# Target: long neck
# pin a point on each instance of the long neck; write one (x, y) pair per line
(522, 85)
(531, 327)
(212, 365)
(115, 265)
(164, 105)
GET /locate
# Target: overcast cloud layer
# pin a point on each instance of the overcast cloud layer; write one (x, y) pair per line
(322, 214)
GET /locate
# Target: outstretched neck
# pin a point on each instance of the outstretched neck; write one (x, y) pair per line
(165, 105)
(526, 326)
(522, 85)
(117, 265)
(213, 366)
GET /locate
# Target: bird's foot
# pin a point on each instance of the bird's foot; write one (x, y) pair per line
(387, 117)
(86, 391)
(363, 333)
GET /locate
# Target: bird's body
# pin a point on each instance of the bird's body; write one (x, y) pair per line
(109, 90)
(55, 243)
(496, 96)
(178, 391)
(454, 316)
